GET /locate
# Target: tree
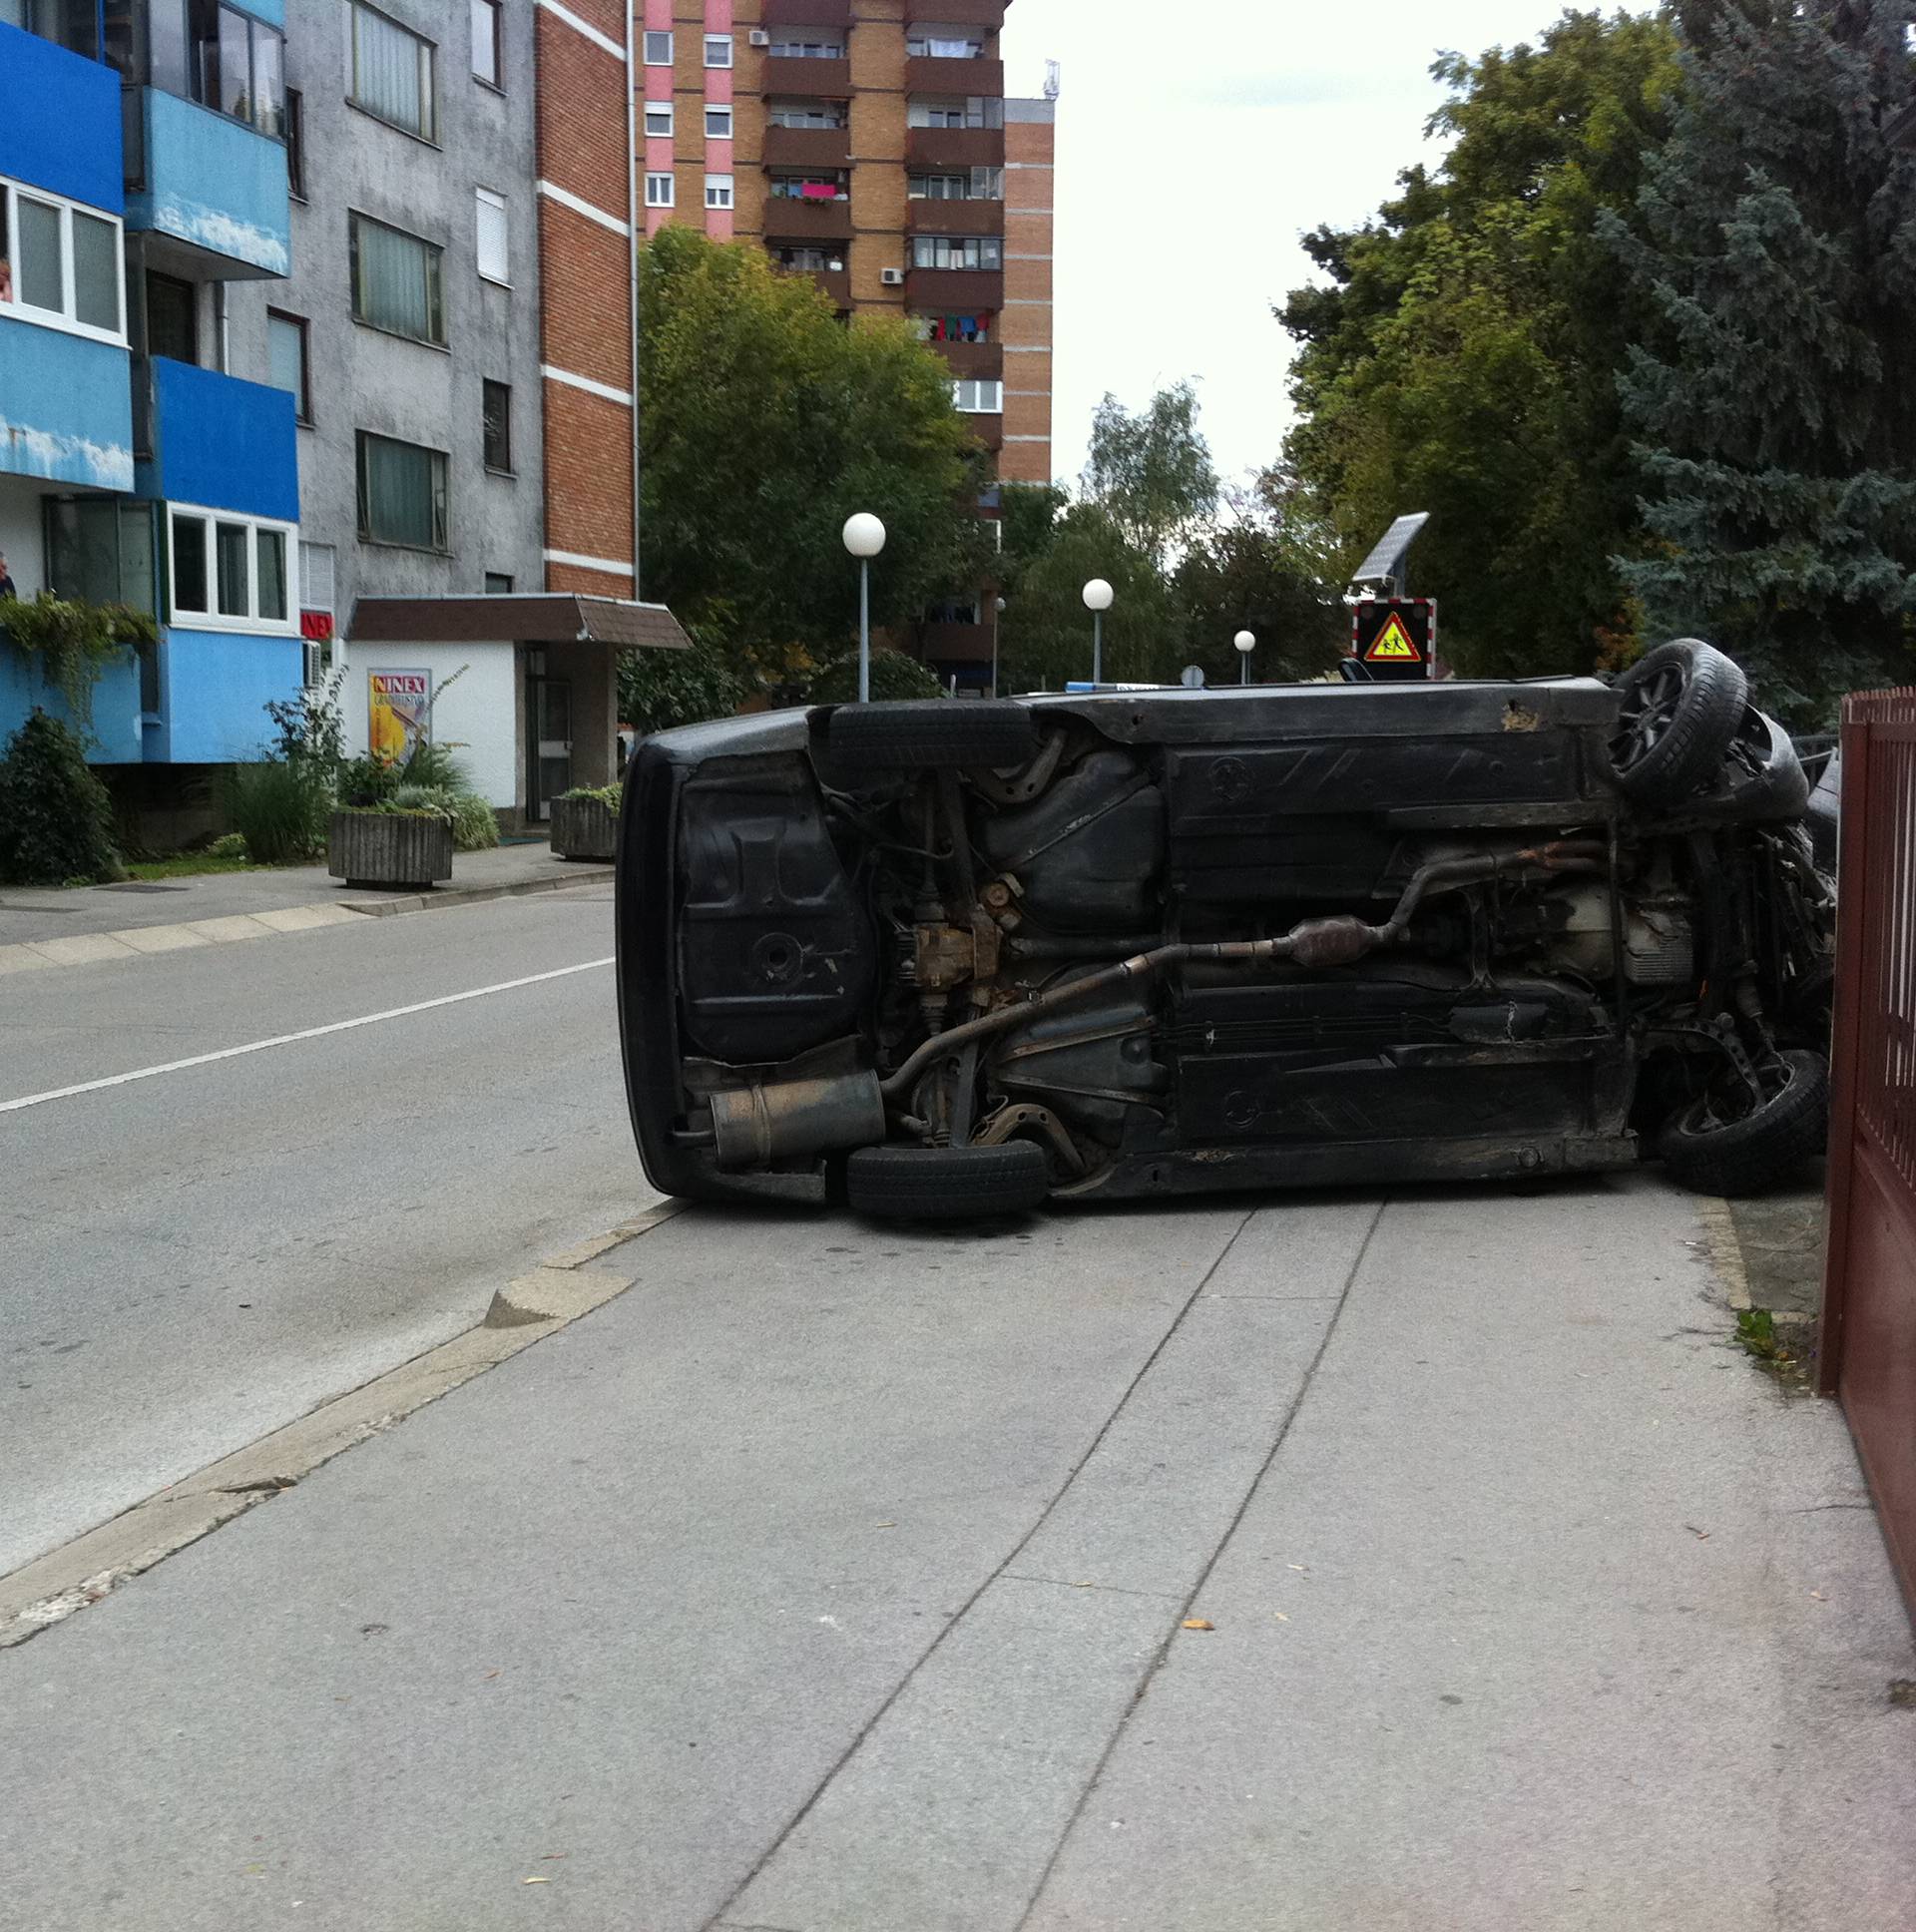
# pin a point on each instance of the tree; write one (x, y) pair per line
(894, 675)
(1463, 358)
(1776, 401)
(660, 690)
(763, 425)
(56, 817)
(1152, 473)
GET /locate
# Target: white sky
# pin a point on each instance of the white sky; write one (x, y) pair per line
(1196, 141)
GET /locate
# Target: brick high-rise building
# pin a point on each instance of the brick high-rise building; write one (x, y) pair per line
(870, 143)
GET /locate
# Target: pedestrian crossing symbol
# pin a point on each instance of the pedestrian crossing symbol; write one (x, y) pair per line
(1393, 644)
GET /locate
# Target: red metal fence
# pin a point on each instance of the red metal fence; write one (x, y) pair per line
(1867, 1352)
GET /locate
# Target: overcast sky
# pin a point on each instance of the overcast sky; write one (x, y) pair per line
(1196, 141)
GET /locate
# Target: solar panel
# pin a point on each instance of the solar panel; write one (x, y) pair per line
(1385, 562)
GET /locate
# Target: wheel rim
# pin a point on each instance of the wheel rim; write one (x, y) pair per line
(1649, 711)
(1705, 1116)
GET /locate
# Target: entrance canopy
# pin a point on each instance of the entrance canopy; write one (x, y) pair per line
(532, 617)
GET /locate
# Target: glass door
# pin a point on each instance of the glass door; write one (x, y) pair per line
(550, 770)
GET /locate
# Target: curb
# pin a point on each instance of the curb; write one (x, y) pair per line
(52, 1587)
(1724, 1247)
(145, 942)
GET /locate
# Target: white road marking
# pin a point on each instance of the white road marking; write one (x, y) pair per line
(293, 1039)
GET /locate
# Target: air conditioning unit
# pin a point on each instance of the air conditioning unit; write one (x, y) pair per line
(892, 277)
(758, 37)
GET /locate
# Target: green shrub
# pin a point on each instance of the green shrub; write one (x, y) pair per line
(280, 809)
(56, 819)
(893, 676)
(610, 795)
(366, 781)
(434, 765)
(72, 642)
(228, 845)
(474, 826)
(660, 690)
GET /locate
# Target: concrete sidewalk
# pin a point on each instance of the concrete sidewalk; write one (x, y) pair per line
(1292, 1566)
(90, 923)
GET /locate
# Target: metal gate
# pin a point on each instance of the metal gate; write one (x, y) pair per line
(1867, 1352)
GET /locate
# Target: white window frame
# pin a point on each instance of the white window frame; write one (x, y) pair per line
(65, 320)
(653, 35)
(988, 396)
(784, 49)
(722, 43)
(720, 111)
(187, 619)
(720, 190)
(483, 199)
(653, 196)
(663, 108)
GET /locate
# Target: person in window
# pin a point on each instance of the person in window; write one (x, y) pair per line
(6, 582)
(6, 279)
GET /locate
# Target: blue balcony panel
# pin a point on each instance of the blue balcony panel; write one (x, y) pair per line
(60, 120)
(213, 686)
(220, 442)
(66, 412)
(113, 739)
(213, 185)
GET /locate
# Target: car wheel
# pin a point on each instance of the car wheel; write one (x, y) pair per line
(934, 734)
(1745, 1152)
(1763, 778)
(1681, 705)
(947, 1183)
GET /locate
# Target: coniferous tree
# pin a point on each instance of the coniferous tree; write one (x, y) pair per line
(1775, 404)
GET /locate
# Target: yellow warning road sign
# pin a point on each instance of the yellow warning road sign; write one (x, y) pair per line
(1393, 644)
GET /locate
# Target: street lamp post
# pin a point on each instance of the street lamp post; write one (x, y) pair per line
(864, 538)
(1097, 597)
(1246, 643)
(997, 622)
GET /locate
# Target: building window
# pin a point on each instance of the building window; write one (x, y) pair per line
(402, 493)
(805, 114)
(812, 188)
(71, 24)
(392, 73)
(173, 318)
(218, 56)
(496, 425)
(976, 184)
(979, 398)
(658, 118)
(717, 49)
(953, 328)
(979, 111)
(488, 53)
(295, 144)
(787, 49)
(658, 47)
(718, 124)
(61, 265)
(100, 547)
(659, 190)
(957, 252)
(315, 576)
(815, 262)
(396, 281)
(717, 190)
(498, 584)
(228, 573)
(944, 43)
(286, 359)
(494, 255)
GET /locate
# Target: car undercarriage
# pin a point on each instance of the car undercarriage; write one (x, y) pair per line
(948, 958)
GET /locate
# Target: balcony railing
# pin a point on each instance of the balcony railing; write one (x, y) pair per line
(955, 218)
(823, 80)
(807, 146)
(789, 219)
(979, 362)
(990, 430)
(940, 147)
(965, 13)
(960, 292)
(836, 283)
(930, 73)
(808, 13)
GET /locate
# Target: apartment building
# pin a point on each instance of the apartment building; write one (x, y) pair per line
(328, 365)
(869, 145)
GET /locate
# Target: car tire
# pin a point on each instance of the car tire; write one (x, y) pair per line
(1743, 1156)
(1763, 778)
(1681, 705)
(947, 1183)
(934, 734)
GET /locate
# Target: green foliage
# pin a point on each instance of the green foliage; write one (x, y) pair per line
(73, 641)
(56, 819)
(1463, 358)
(764, 425)
(611, 796)
(1777, 240)
(894, 677)
(228, 845)
(475, 826)
(311, 726)
(363, 783)
(278, 808)
(662, 690)
(1151, 472)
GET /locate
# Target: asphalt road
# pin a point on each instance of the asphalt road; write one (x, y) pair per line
(195, 1258)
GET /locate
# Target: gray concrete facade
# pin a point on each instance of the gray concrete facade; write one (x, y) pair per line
(360, 379)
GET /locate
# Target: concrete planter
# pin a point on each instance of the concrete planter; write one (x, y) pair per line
(584, 828)
(388, 848)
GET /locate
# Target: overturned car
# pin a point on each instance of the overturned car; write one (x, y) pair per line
(951, 958)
